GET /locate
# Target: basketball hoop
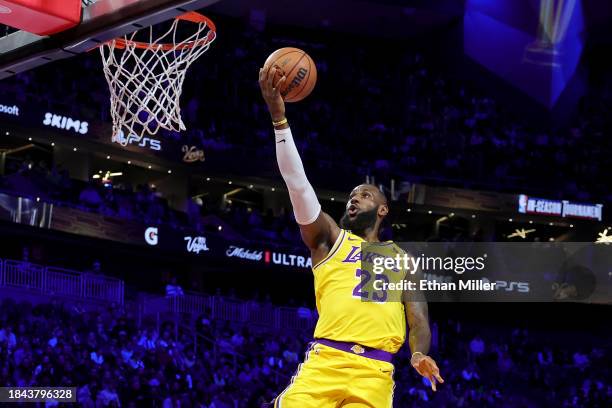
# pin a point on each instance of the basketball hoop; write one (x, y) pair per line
(146, 78)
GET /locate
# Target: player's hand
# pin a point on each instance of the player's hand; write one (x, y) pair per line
(428, 368)
(271, 92)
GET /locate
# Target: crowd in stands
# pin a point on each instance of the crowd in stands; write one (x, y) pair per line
(405, 120)
(50, 183)
(143, 203)
(115, 361)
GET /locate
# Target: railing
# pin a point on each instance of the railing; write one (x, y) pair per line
(103, 288)
(24, 275)
(63, 282)
(221, 308)
(60, 282)
(190, 303)
(79, 285)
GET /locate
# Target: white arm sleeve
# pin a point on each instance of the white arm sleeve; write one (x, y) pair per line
(306, 206)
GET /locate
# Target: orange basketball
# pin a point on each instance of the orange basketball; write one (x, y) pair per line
(299, 69)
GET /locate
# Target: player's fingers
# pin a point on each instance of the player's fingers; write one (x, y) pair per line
(271, 75)
(436, 372)
(279, 85)
(266, 69)
(432, 380)
(262, 75)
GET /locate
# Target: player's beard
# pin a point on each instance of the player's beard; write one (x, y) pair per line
(362, 221)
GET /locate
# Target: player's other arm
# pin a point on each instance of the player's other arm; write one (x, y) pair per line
(319, 231)
(420, 339)
(419, 335)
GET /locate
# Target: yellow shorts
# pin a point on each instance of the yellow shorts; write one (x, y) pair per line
(331, 378)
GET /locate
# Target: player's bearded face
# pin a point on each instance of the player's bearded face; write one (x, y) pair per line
(360, 222)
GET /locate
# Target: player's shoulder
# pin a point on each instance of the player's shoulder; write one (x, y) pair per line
(394, 247)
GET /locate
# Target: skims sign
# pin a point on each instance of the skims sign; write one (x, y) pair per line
(66, 123)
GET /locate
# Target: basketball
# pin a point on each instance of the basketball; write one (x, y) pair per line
(299, 69)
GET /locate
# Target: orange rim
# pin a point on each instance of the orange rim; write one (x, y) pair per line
(191, 16)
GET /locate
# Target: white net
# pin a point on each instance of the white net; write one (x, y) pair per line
(146, 78)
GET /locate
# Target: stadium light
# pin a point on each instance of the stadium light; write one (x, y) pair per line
(169, 171)
(107, 157)
(603, 237)
(429, 212)
(52, 144)
(30, 139)
(74, 149)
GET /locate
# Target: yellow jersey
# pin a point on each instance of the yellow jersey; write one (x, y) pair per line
(341, 291)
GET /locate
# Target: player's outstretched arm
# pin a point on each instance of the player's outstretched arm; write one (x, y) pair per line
(319, 231)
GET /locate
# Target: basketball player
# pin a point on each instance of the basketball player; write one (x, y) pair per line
(349, 362)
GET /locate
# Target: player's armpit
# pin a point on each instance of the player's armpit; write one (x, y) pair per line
(320, 235)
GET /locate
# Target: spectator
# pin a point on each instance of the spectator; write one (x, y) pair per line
(477, 347)
(173, 288)
(90, 197)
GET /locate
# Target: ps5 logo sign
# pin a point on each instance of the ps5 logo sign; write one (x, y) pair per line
(151, 236)
(132, 139)
(64, 122)
(196, 244)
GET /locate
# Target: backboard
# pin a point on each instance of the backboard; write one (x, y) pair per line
(102, 21)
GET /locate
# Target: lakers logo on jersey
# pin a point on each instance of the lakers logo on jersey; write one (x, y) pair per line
(349, 310)
(357, 349)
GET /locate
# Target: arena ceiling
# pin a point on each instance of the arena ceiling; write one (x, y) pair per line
(398, 18)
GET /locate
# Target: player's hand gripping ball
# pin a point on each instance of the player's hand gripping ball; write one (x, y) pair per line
(298, 69)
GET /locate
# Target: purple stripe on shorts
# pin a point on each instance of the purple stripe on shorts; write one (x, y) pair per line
(358, 349)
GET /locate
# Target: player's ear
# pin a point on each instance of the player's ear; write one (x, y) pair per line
(383, 210)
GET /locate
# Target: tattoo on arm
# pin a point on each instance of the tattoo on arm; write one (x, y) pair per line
(417, 316)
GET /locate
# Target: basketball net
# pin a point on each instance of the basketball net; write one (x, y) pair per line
(146, 78)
